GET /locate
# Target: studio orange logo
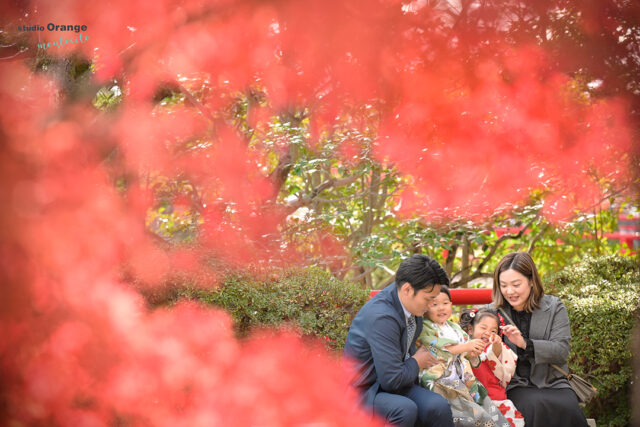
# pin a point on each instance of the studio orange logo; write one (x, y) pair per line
(62, 41)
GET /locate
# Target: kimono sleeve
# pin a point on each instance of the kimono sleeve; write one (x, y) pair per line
(504, 366)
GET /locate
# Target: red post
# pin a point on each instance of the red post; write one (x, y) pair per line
(461, 296)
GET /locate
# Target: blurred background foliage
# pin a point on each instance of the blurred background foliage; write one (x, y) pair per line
(602, 296)
(331, 183)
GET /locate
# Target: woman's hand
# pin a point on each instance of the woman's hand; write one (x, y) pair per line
(514, 335)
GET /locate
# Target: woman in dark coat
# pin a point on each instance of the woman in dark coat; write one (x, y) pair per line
(540, 337)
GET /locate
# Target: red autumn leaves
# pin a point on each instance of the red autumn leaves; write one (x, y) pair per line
(79, 346)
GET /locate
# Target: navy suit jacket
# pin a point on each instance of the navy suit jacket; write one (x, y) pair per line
(377, 343)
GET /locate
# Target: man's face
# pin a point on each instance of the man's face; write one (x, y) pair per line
(418, 303)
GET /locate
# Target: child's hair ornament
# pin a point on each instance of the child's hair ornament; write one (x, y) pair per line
(502, 322)
(473, 312)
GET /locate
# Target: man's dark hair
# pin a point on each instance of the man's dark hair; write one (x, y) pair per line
(420, 272)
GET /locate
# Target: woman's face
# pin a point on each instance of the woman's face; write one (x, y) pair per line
(515, 288)
(440, 311)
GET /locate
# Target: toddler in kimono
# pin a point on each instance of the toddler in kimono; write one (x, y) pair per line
(495, 366)
(453, 378)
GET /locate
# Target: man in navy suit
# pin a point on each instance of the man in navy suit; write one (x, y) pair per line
(382, 342)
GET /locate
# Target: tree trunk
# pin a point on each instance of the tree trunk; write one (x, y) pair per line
(464, 274)
(451, 257)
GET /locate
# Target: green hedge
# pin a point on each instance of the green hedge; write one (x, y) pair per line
(312, 300)
(602, 296)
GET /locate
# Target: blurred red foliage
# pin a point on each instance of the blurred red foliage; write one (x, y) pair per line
(80, 348)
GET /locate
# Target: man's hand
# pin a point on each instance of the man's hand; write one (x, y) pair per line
(425, 359)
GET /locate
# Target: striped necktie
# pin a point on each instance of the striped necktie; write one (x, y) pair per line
(411, 331)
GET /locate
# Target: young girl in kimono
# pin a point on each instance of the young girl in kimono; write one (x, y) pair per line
(453, 378)
(496, 363)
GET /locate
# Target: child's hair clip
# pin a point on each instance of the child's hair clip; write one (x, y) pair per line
(473, 312)
(502, 322)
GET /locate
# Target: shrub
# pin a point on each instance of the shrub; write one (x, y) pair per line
(311, 300)
(602, 296)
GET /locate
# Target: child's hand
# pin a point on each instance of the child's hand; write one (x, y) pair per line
(475, 347)
(496, 342)
(514, 335)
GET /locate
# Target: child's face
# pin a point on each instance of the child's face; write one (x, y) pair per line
(484, 328)
(440, 311)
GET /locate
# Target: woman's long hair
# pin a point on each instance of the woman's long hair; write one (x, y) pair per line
(523, 264)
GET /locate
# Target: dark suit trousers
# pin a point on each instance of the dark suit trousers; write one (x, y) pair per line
(415, 407)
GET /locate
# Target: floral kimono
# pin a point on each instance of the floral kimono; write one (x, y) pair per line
(495, 372)
(454, 379)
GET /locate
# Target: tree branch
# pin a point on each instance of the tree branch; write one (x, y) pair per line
(280, 173)
(460, 283)
(451, 256)
(20, 52)
(492, 252)
(536, 238)
(192, 99)
(330, 183)
(366, 270)
(340, 199)
(504, 237)
(386, 282)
